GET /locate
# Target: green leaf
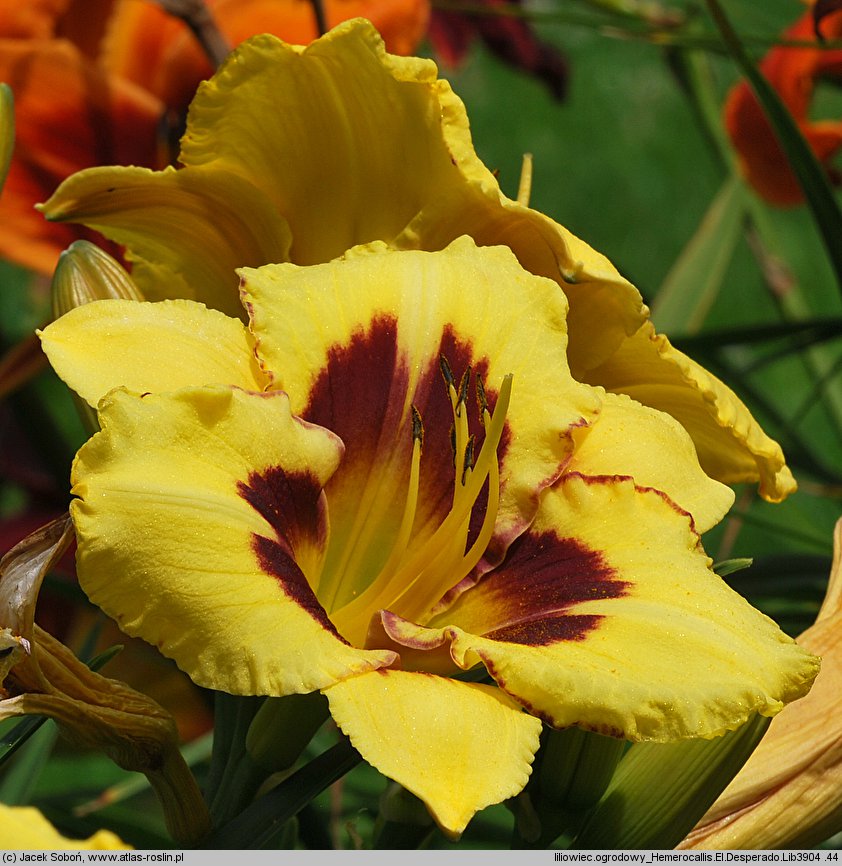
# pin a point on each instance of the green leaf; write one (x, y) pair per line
(21, 777)
(233, 777)
(807, 169)
(257, 825)
(789, 587)
(573, 769)
(660, 790)
(801, 335)
(17, 735)
(695, 279)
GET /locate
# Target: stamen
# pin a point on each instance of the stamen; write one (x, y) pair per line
(478, 548)
(464, 385)
(458, 400)
(402, 539)
(417, 427)
(444, 366)
(437, 574)
(468, 460)
(441, 561)
(482, 400)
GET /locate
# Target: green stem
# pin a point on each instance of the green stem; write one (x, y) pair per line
(256, 825)
(233, 778)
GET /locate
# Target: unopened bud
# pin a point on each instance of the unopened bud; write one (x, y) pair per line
(86, 273)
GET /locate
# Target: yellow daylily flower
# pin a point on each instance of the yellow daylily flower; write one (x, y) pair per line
(296, 154)
(789, 793)
(345, 517)
(26, 829)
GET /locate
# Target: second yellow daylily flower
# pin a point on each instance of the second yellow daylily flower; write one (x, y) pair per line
(378, 486)
(298, 154)
(24, 828)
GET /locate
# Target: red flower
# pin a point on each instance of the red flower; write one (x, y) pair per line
(794, 73)
(506, 36)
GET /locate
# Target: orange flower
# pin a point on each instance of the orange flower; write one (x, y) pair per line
(100, 81)
(794, 73)
(158, 52)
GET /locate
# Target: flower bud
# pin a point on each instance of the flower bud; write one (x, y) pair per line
(86, 273)
(661, 789)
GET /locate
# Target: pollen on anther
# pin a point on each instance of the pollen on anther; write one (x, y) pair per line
(464, 385)
(468, 459)
(446, 372)
(417, 427)
(482, 399)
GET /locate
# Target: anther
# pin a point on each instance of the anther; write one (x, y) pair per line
(464, 385)
(417, 427)
(468, 459)
(482, 400)
(446, 372)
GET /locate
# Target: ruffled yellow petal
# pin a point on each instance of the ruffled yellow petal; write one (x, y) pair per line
(352, 145)
(606, 615)
(199, 516)
(24, 828)
(731, 445)
(654, 449)
(398, 166)
(358, 342)
(149, 347)
(348, 145)
(185, 230)
(459, 747)
(283, 115)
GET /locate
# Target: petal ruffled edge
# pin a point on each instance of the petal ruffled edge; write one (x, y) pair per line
(606, 615)
(628, 438)
(186, 230)
(149, 347)
(731, 445)
(196, 513)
